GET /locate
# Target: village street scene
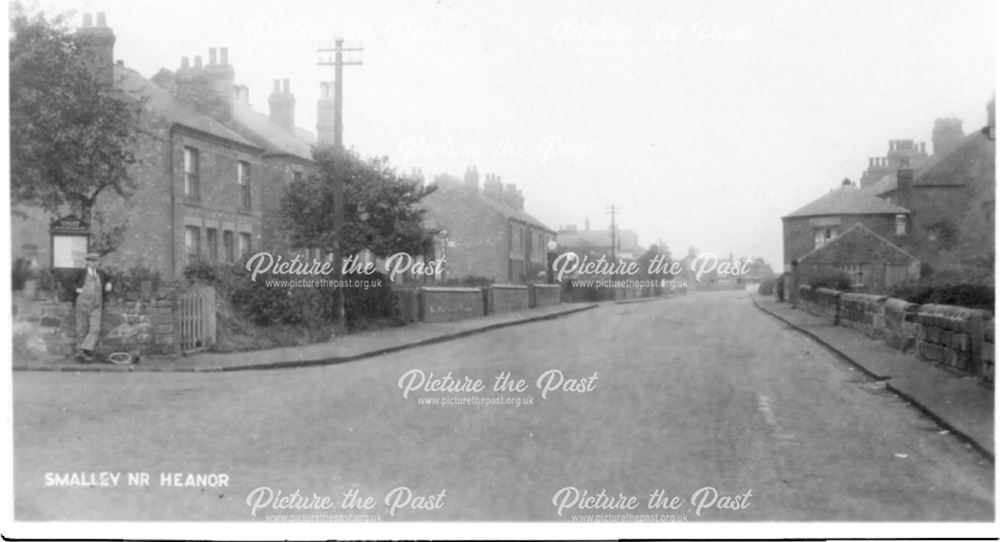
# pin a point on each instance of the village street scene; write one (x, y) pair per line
(432, 262)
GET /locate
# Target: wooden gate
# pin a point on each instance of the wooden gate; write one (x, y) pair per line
(197, 319)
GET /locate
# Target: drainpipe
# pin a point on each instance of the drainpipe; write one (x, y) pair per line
(173, 207)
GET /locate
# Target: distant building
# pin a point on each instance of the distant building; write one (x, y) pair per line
(488, 234)
(937, 209)
(626, 242)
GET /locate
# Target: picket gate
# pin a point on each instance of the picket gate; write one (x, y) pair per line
(197, 319)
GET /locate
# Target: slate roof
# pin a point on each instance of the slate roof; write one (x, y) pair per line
(164, 104)
(935, 170)
(510, 212)
(271, 136)
(450, 183)
(848, 200)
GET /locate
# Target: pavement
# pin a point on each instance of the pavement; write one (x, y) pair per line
(672, 402)
(963, 404)
(348, 348)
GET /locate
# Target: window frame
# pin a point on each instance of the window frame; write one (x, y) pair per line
(243, 180)
(192, 174)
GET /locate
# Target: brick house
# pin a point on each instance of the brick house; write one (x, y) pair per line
(937, 208)
(489, 235)
(192, 173)
(288, 149)
(822, 220)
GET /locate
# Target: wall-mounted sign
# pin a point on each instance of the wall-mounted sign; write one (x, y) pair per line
(70, 243)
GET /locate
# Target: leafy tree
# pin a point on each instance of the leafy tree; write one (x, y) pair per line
(72, 138)
(380, 207)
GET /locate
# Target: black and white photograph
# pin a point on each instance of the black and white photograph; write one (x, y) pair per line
(441, 268)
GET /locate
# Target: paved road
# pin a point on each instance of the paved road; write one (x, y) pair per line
(701, 391)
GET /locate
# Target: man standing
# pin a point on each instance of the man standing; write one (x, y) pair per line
(89, 305)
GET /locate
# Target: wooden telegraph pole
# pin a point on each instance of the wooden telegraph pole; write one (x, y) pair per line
(341, 156)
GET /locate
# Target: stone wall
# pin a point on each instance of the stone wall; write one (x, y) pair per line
(952, 336)
(543, 295)
(900, 324)
(820, 302)
(956, 337)
(44, 328)
(446, 304)
(863, 312)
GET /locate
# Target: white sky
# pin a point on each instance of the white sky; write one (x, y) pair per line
(705, 121)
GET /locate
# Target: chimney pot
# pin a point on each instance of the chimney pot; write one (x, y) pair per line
(277, 86)
(88, 19)
(212, 55)
(224, 55)
(197, 62)
(101, 19)
(185, 63)
(285, 86)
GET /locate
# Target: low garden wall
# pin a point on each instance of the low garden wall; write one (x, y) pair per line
(445, 304)
(544, 295)
(45, 328)
(863, 312)
(820, 302)
(956, 337)
(508, 298)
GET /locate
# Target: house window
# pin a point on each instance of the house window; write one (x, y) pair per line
(192, 188)
(858, 272)
(900, 224)
(510, 237)
(824, 236)
(520, 239)
(297, 176)
(212, 238)
(244, 245)
(228, 246)
(243, 178)
(192, 242)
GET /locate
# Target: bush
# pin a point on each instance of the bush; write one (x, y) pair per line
(311, 307)
(766, 286)
(127, 283)
(201, 271)
(835, 280)
(946, 291)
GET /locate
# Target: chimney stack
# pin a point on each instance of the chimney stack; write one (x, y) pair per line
(947, 135)
(98, 45)
(472, 180)
(904, 187)
(493, 188)
(510, 195)
(220, 76)
(282, 103)
(991, 111)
